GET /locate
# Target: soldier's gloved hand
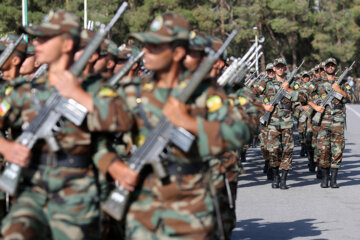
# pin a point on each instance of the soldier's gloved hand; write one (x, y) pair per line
(17, 153)
(177, 113)
(125, 176)
(319, 108)
(268, 107)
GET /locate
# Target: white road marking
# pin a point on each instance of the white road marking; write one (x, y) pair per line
(353, 110)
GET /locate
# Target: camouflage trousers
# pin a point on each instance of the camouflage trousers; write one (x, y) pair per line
(223, 169)
(280, 144)
(182, 208)
(263, 141)
(314, 138)
(56, 203)
(306, 134)
(330, 145)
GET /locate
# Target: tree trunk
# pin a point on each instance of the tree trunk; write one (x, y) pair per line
(275, 41)
(293, 45)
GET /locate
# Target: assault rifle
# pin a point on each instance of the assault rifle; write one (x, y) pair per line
(238, 64)
(160, 137)
(9, 50)
(40, 71)
(331, 95)
(279, 96)
(308, 113)
(250, 82)
(54, 109)
(114, 80)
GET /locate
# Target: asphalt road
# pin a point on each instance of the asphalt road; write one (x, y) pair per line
(304, 211)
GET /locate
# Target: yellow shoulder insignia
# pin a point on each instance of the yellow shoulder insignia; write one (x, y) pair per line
(40, 80)
(348, 87)
(107, 92)
(8, 90)
(4, 108)
(183, 84)
(140, 140)
(149, 86)
(323, 95)
(214, 103)
(296, 87)
(243, 101)
(231, 101)
(266, 100)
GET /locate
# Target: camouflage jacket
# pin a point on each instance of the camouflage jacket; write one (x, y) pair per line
(19, 108)
(245, 100)
(335, 112)
(220, 128)
(282, 114)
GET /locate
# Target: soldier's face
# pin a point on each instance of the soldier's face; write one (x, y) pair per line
(28, 66)
(270, 73)
(48, 49)
(192, 60)
(330, 68)
(157, 57)
(280, 70)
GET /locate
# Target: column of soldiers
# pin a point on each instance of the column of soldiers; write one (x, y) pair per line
(61, 192)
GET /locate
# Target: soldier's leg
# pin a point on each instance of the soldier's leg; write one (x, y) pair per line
(301, 130)
(26, 219)
(286, 160)
(73, 211)
(337, 148)
(274, 148)
(315, 130)
(183, 208)
(265, 153)
(324, 151)
(309, 146)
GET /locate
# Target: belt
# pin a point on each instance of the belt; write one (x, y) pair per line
(61, 159)
(186, 168)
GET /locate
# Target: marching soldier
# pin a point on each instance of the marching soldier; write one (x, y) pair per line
(330, 136)
(58, 198)
(182, 207)
(280, 142)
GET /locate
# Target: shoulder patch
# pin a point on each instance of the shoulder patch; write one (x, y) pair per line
(311, 86)
(107, 92)
(148, 86)
(4, 107)
(261, 88)
(348, 87)
(183, 84)
(243, 101)
(296, 86)
(8, 90)
(214, 103)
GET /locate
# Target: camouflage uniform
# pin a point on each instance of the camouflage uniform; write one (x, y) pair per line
(330, 136)
(59, 197)
(183, 207)
(280, 143)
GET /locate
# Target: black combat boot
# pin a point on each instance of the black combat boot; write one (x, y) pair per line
(318, 172)
(311, 161)
(283, 179)
(325, 178)
(243, 156)
(276, 177)
(269, 174)
(303, 150)
(334, 173)
(266, 166)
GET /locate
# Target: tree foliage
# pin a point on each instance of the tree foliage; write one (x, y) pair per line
(295, 29)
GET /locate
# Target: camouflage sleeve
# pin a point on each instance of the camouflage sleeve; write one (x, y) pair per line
(294, 95)
(260, 87)
(10, 108)
(349, 93)
(110, 113)
(222, 129)
(109, 148)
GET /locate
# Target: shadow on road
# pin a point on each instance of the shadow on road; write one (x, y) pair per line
(298, 176)
(256, 229)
